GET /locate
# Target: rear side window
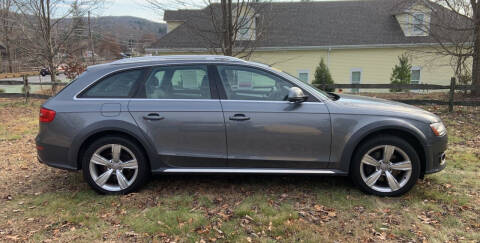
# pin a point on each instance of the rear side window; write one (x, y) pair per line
(119, 85)
(177, 82)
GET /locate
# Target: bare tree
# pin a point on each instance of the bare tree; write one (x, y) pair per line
(109, 48)
(454, 25)
(7, 22)
(49, 30)
(232, 28)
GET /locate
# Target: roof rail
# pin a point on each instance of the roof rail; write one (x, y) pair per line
(176, 57)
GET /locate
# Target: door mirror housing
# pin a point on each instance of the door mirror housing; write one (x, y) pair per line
(296, 95)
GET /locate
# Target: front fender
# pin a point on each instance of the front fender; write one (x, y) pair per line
(347, 135)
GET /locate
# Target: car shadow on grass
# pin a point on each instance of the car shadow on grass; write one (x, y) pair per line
(248, 183)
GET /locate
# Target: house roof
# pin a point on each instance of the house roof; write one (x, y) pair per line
(304, 24)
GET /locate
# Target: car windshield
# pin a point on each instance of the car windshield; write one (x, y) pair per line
(327, 94)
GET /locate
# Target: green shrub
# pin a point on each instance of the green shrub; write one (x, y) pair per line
(323, 76)
(401, 73)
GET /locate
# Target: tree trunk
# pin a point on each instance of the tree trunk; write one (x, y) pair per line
(7, 31)
(9, 55)
(10, 63)
(476, 50)
(53, 78)
(227, 27)
(224, 26)
(230, 29)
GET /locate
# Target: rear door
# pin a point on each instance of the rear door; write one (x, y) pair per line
(178, 109)
(264, 130)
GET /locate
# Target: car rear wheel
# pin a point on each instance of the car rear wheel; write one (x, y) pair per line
(385, 166)
(115, 165)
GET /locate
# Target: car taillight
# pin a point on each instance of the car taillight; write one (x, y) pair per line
(46, 115)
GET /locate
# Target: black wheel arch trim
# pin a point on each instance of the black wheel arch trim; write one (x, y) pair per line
(113, 126)
(379, 126)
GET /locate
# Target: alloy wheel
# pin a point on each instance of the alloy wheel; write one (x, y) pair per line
(386, 168)
(113, 167)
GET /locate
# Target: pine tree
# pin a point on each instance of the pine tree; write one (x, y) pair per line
(323, 76)
(401, 73)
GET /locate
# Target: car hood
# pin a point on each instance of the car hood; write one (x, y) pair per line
(361, 105)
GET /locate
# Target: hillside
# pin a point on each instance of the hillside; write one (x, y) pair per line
(124, 28)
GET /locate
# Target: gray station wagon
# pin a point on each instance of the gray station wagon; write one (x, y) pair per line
(122, 121)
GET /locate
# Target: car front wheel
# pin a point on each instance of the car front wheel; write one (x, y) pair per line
(385, 166)
(114, 165)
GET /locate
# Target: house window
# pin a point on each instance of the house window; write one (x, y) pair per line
(418, 23)
(303, 75)
(246, 30)
(415, 75)
(356, 78)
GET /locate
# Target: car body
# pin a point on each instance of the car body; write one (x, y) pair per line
(217, 114)
(60, 69)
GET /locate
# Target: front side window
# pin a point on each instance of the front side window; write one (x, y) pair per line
(119, 85)
(177, 82)
(243, 83)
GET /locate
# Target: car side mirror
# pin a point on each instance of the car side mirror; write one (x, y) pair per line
(296, 95)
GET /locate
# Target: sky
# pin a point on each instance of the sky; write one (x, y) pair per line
(140, 8)
(137, 8)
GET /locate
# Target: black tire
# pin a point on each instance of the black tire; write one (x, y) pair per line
(143, 171)
(366, 146)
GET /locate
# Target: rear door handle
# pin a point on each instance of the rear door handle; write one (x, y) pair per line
(239, 117)
(153, 117)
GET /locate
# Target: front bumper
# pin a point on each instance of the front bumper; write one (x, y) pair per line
(436, 157)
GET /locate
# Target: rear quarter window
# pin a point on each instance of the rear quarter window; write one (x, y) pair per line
(118, 85)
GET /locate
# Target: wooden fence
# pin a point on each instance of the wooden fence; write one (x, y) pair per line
(427, 87)
(26, 88)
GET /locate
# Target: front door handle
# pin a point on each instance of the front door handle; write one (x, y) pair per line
(153, 117)
(239, 117)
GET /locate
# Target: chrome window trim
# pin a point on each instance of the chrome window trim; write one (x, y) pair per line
(320, 97)
(197, 100)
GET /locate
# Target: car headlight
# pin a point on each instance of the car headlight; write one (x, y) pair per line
(438, 129)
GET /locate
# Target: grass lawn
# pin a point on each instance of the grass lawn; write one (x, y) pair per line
(39, 203)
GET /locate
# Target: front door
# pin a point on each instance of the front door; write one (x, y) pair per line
(266, 131)
(178, 112)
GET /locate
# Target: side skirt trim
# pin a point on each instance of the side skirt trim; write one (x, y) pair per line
(259, 171)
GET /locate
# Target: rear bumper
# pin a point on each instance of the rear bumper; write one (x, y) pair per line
(436, 160)
(54, 156)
